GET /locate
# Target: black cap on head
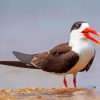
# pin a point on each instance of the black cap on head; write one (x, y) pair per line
(77, 25)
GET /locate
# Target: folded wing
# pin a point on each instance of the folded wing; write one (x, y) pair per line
(60, 59)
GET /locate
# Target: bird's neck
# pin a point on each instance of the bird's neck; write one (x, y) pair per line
(79, 44)
(77, 39)
(74, 41)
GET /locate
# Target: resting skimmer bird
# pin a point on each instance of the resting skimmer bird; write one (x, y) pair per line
(67, 58)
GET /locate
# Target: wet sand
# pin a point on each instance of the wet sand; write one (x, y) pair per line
(49, 94)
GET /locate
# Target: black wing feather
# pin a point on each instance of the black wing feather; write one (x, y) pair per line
(25, 58)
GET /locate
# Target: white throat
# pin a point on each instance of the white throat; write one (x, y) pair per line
(79, 42)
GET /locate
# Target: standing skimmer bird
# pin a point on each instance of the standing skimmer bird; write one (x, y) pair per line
(67, 58)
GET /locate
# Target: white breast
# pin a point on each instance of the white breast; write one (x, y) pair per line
(85, 50)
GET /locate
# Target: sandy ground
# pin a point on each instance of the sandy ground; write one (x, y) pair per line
(49, 94)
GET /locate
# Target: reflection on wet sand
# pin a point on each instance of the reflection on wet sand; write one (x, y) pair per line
(49, 94)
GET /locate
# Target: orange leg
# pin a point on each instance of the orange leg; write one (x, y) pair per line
(74, 81)
(65, 82)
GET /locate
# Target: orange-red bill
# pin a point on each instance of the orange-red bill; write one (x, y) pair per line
(90, 30)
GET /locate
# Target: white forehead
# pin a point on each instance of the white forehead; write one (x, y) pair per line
(83, 26)
(77, 33)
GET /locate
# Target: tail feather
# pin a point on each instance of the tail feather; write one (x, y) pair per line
(25, 58)
(35, 61)
(18, 64)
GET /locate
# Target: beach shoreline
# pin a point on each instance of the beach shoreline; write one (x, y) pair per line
(48, 94)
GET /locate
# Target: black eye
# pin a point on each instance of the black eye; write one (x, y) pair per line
(76, 26)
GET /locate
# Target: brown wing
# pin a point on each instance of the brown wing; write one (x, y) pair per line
(61, 63)
(17, 64)
(42, 59)
(60, 59)
(60, 49)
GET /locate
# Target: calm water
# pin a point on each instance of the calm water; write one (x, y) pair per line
(32, 26)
